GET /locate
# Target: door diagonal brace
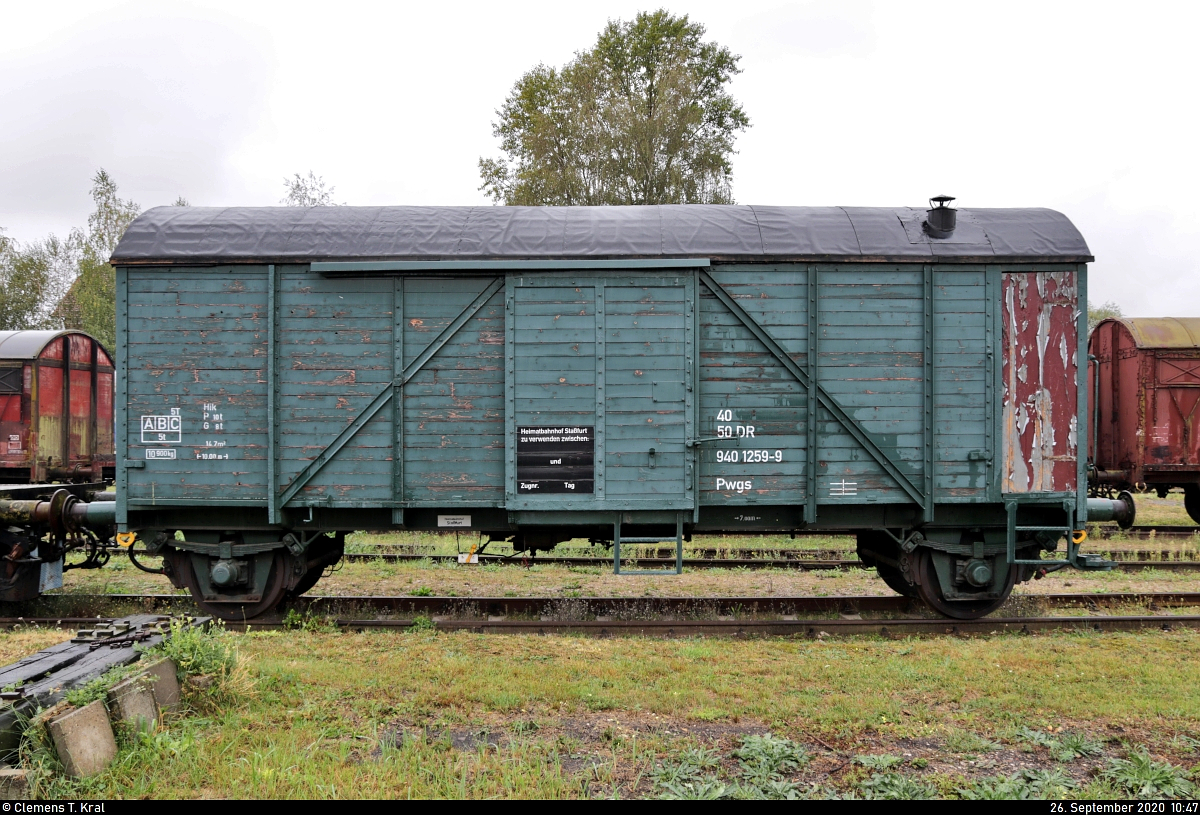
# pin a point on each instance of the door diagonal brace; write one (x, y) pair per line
(388, 391)
(823, 398)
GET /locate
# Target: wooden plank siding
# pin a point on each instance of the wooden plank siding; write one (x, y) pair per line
(197, 337)
(650, 359)
(454, 406)
(742, 386)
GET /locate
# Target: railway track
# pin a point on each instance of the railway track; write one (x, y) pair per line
(808, 628)
(807, 564)
(663, 616)
(68, 607)
(799, 628)
(1156, 530)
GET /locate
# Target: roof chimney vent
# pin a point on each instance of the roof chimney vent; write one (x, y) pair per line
(942, 218)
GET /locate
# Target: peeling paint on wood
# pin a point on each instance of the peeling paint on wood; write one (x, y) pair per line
(1039, 402)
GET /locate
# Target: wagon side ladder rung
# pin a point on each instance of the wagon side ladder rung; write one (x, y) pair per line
(617, 540)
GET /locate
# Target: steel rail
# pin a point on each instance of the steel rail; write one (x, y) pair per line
(797, 628)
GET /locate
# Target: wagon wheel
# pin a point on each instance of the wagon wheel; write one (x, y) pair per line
(895, 580)
(307, 582)
(1191, 501)
(328, 552)
(272, 594)
(930, 590)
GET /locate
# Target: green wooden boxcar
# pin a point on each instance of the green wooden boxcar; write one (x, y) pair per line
(640, 373)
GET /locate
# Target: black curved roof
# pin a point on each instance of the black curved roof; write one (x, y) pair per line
(174, 235)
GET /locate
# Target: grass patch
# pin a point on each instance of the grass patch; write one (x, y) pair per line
(392, 714)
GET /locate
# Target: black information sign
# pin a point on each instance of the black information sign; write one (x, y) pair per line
(556, 460)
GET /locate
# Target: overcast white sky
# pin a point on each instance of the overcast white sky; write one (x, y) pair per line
(1087, 108)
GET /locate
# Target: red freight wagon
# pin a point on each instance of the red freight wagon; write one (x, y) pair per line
(1145, 419)
(44, 377)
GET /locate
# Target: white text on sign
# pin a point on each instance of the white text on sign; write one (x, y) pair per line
(162, 429)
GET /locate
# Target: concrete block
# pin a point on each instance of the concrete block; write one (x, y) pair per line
(132, 701)
(84, 739)
(165, 681)
(14, 785)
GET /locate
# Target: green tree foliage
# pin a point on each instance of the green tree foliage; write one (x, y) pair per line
(307, 192)
(1102, 312)
(644, 117)
(33, 278)
(91, 303)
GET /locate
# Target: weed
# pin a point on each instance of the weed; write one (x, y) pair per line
(1049, 783)
(37, 756)
(1076, 745)
(525, 727)
(704, 789)
(99, 687)
(883, 762)
(1065, 747)
(199, 651)
(964, 741)
(896, 787)
(208, 652)
(688, 768)
(768, 791)
(422, 591)
(1143, 777)
(1185, 743)
(764, 758)
(308, 621)
(422, 623)
(1022, 786)
(920, 763)
(1028, 734)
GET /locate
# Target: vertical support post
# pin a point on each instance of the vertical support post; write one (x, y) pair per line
(1011, 536)
(991, 378)
(121, 408)
(64, 433)
(810, 397)
(930, 397)
(93, 424)
(273, 509)
(679, 543)
(398, 493)
(37, 472)
(692, 391)
(617, 543)
(601, 399)
(510, 388)
(1083, 413)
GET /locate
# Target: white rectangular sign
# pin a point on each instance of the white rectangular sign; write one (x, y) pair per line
(454, 521)
(162, 429)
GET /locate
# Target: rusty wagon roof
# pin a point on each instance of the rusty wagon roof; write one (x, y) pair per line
(1161, 332)
(747, 233)
(29, 344)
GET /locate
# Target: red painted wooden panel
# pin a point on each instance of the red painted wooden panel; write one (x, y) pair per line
(53, 350)
(1040, 393)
